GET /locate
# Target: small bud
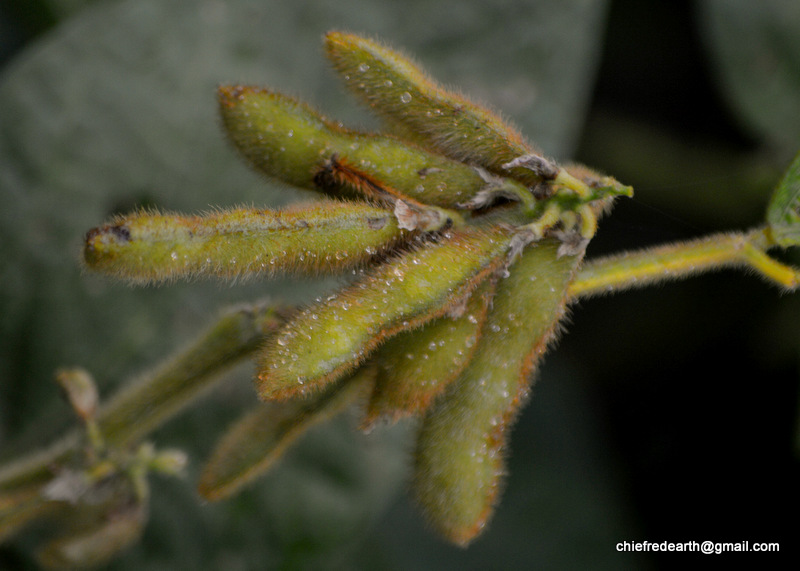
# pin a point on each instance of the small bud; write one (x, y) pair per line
(81, 391)
(171, 462)
(459, 458)
(604, 188)
(330, 338)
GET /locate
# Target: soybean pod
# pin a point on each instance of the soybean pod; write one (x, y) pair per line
(293, 143)
(459, 459)
(332, 337)
(147, 247)
(415, 367)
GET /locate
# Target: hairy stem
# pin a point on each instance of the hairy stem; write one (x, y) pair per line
(680, 260)
(143, 406)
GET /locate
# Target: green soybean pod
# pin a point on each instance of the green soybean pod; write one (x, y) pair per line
(279, 136)
(332, 337)
(258, 440)
(416, 366)
(291, 142)
(95, 545)
(422, 111)
(322, 236)
(459, 458)
(408, 171)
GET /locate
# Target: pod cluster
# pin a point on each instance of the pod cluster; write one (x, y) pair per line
(463, 239)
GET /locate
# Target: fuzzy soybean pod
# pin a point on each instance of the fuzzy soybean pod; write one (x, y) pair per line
(258, 440)
(422, 111)
(415, 367)
(279, 136)
(459, 458)
(332, 337)
(95, 544)
(322, 236)
(291, 142)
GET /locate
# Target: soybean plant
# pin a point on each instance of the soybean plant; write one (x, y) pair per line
(467, 247)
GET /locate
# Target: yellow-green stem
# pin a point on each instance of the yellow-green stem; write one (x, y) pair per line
(680, 260)
(144, 406)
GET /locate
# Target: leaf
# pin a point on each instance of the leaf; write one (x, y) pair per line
(756, 47)
(783, 212)
(65, 8)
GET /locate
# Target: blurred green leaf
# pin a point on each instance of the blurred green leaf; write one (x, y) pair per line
(64, 8)
(783, 213)
(756, 48)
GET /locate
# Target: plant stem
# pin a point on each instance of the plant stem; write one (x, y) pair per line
(143, 406)
(677, 261)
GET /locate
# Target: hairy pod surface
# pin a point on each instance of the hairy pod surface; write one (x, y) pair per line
(329, 339)
(459, 459)
(291, 142)
(280, 136)
(317, 237)
(422, 111)
(255, 442)
(415, 367)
